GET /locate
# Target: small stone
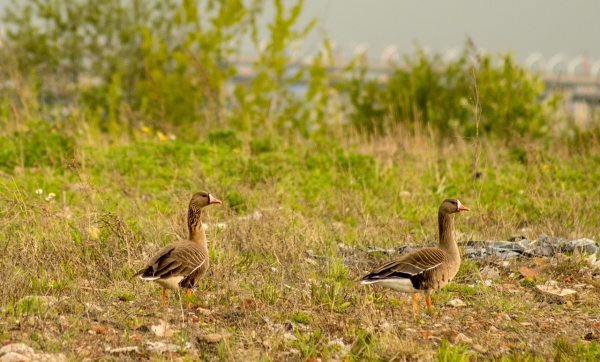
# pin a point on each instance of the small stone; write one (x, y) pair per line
(20, 348)
(456, 303)
(493, 329)
(461, 338)
(14, 357)
(479, 348)
(591, 260)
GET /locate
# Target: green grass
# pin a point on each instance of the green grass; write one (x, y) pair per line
(117, 202)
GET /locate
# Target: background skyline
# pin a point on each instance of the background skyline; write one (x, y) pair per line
(546, 26)
(549, 27)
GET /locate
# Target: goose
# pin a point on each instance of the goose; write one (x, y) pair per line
(427, 269)
(183, 263)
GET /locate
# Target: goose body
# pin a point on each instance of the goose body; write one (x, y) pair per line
(178, 264)
(183, 263)
(427, 269)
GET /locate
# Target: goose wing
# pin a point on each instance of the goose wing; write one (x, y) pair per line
(408, 266)
(176, 259)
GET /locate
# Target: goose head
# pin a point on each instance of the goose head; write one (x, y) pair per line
(450, 206)
(202, 198)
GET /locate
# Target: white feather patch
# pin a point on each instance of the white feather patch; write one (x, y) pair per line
(401, 285)
(147, 278)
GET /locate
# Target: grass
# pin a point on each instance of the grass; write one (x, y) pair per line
(287, 247)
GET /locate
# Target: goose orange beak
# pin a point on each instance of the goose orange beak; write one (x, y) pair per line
(213, 200)
(462, 207)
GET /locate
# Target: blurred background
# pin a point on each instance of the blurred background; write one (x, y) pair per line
(548, 27)
(307, 68)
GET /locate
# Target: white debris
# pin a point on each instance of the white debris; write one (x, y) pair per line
(554, 293)
(128, 349)
(162, 329)
(289, 336)
(489, 273)
(456, 303)
(160, 347)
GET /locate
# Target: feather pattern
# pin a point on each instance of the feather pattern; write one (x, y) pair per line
(182, 264)
(184, 258)
(427, 269)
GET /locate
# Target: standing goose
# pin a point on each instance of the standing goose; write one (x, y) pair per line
(182, 263)
(426, 269)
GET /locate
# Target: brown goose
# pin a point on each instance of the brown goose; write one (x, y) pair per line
(182, 263)
(427, 269)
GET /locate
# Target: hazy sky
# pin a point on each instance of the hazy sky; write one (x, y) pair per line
(524, 26)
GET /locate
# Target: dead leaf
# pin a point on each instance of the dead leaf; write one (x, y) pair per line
(248, 303)
(461, 338)
(479, 348)
(215, 337)
(554, 293)
(136, 336)
(98, 329)
(528, 272)
(426, 333)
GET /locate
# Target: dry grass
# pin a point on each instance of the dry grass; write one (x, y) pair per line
(283, 284)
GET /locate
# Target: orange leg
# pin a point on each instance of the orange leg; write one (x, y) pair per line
(428, 301)
(164, 297)
(415, 306)
(189, 293)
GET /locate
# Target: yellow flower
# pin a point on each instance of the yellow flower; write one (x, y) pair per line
(94, 232)
(146, 129)
(161, 136)
(235, 150)
(544, 166)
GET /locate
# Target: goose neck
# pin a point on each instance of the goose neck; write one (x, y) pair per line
(446, 226)
(196, 231)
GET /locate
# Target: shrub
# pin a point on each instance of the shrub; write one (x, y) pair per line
(443, 96)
